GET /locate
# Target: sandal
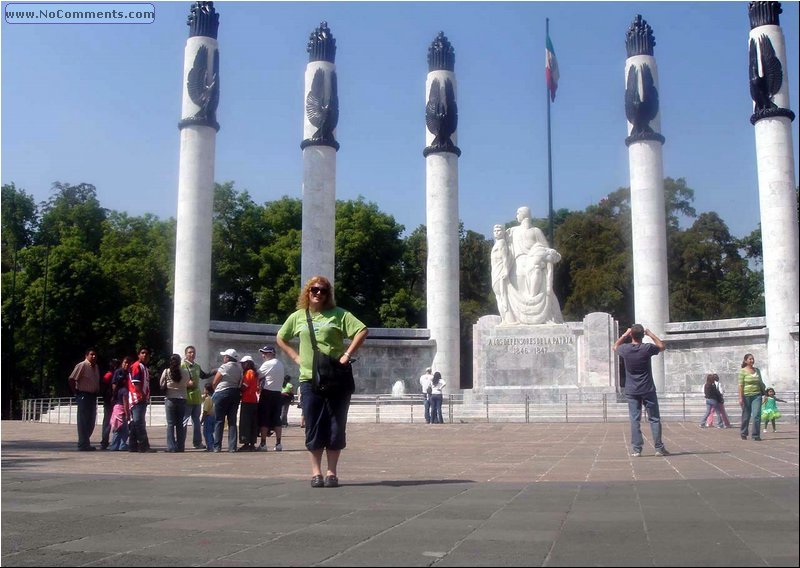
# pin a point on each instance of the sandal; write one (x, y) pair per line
(317, 481)
(331, 481)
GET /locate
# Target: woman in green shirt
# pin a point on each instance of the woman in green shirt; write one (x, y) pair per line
(325, 417)
(751, 388)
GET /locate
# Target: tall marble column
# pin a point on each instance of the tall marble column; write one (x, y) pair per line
(319, 147)
(648, 215)
(772, 119)
(441, 182)
(192, 310)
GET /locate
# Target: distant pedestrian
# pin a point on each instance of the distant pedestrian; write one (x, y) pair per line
(769, 409)
(751, 389)
(248, 415)
(437, 384)
(425, 384)
(270, 402)
(722, 415)
(121, 414)
(640, 389)
(107, 394)
(194, 395)
(287, 392)
(139, 397)
(84, 382)
(227, 396)
(173, 382)
(712, 400)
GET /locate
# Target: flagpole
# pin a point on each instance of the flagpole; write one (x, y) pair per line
(549, 157)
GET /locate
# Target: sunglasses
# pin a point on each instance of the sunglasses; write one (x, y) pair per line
(318, 290)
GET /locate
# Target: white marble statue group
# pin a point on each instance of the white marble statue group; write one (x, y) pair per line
(522, 274)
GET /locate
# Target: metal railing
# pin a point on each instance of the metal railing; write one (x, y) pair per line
(409, 409)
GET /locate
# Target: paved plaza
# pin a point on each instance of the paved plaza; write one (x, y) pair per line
(472, 494)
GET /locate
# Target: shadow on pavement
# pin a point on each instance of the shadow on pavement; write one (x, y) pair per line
(408, 482)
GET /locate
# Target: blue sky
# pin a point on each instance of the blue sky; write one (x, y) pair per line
(100, 103)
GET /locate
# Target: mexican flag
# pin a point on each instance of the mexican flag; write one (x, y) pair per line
(551, 68)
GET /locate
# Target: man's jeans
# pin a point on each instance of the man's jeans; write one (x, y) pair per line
(87, 416)
(138, 440)
(175, 409)
(752, 409)
(650, 402)
(427, 408)
(226, 405)
(193, 414)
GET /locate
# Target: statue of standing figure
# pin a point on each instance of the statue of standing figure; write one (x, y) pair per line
(522, 274)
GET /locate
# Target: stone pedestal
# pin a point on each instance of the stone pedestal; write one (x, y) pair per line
(543, 361)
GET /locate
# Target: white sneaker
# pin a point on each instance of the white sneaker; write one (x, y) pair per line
(636, 454)
(261, 448)
(278, 448)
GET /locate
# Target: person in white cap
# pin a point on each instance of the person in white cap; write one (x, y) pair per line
(270, 403)
(425, 384)
(227, 385)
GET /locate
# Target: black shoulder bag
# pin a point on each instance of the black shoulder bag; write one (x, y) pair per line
(330, 378)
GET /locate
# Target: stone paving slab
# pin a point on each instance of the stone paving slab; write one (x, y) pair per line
(412, 495)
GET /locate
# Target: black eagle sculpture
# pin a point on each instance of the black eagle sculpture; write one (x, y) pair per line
(763, 87)
(641, 108)
(323, 110)
(203, 87)
(441, 118)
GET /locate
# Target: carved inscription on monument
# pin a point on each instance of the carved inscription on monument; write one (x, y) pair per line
(532, 345)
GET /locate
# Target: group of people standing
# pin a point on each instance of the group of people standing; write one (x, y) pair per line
(758, 402)
(262, 393)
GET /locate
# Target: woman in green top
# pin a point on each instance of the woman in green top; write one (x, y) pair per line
(325, 417)
(751, 388)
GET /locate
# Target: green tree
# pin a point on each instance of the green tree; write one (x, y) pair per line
(19, 220)
(476, 296)
(595, 272)
(708, 277)
(137, 256)
(237, 239)
(368, 250)
(279, 259)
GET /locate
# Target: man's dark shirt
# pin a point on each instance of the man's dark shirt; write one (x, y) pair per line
(638, 372)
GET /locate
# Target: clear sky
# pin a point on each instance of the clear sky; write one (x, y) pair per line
(100, 103)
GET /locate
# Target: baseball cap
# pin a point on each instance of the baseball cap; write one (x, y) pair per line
(246, 358)
(230, 353)
(267, 349)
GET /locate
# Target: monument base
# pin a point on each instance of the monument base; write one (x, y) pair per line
(543, 361)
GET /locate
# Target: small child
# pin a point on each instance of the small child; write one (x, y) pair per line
(207, 418)
(769, 408)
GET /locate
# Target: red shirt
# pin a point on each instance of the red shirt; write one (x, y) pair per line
(250, 386)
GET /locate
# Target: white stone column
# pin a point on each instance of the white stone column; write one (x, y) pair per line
(777, 201)
(441, 204)
(192, 304)
(319, 192)
(648, 214)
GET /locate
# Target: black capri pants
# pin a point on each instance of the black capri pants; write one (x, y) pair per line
(326, 419)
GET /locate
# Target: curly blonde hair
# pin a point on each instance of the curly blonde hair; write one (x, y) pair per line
(322, 282)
